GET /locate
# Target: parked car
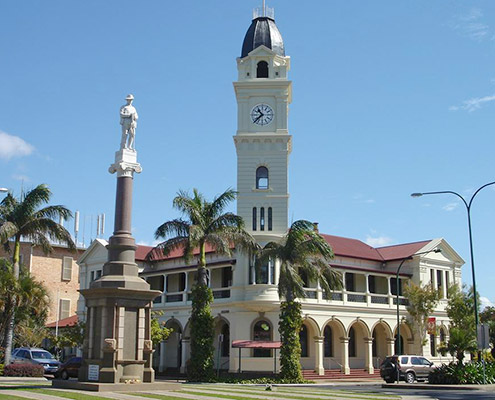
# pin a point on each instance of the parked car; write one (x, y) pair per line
(34, 355)
(411, 368)
(69, 369)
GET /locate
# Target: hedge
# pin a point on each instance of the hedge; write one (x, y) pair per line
(456, 374)
(30, 370)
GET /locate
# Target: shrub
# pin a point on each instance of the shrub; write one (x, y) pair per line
(290, 323)
(1, 369)
(455, 373)
(30, 370)
(200, 368)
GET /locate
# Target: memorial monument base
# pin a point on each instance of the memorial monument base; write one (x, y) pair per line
(114, 387)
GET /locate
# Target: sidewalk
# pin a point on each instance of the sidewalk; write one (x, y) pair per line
(427, 386)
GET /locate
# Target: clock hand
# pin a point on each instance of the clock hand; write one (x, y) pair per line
(258, 118)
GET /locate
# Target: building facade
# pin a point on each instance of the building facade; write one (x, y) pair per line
(352, 328)
(58, 271)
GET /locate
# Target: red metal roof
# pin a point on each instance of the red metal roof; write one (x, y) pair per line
(401, 251)
(341, 246)
(256, 344)
(355, 248)
(63, 323)
(352, 248)
(142, 252)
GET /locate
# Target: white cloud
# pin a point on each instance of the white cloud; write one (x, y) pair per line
(378, 241)
(471, 25)
(13, 146)
(486, 302)
(473, 104)
(450, 206)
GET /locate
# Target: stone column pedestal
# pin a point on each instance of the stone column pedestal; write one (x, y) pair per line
(117, 346)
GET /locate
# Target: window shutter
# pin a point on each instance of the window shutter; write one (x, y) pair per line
(64, 309)
(67, 269)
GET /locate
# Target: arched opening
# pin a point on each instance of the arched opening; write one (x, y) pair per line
(262, 331)
(352, 342)
(396, 346)
(303, 341)
(262, 178)
(262, 70)
(226, 341)
(406, 340)
(173, 346)
(433, 345)
(221, 343)
(328, 341)
(381, 332)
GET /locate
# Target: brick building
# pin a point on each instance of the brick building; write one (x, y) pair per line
(59, 273)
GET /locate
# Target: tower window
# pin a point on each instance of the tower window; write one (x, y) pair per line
(270, 223)
(262, 178)
(262, 218)
(262, 70)
(254, 218)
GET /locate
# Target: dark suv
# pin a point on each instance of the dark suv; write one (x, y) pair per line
(411, 368)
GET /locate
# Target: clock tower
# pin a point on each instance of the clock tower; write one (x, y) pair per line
(262, 141)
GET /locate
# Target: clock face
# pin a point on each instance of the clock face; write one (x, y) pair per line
(262, 114)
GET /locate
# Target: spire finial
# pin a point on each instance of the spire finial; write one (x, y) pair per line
(264, 9)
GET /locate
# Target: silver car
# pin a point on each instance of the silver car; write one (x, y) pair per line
(33, 355)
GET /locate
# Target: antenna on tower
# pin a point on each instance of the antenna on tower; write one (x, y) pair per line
(264, 8)
(76, 225)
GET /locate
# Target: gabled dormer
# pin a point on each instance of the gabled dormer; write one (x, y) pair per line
(263, 63)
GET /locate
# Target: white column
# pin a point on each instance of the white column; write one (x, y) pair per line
(445, 284)
(163, 349)
(368, 360)
(319, 369)
(345, 355)
(185, 349)
(390, 346)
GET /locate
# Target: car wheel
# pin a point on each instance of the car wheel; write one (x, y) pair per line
(64, 374)
(410, 377)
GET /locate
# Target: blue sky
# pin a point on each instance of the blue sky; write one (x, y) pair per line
(389, 98)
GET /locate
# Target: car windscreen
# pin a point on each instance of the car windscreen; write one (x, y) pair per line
(41, 354)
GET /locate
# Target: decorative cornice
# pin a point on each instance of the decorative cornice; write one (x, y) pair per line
(125, 163)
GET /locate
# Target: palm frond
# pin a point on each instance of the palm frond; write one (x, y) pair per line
(166, 247)
(177, 227)
(219, 203)
(53, 212)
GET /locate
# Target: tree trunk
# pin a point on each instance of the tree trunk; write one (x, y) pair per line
(9, 333)
(202, 273)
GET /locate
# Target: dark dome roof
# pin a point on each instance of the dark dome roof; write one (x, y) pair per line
(263, 31)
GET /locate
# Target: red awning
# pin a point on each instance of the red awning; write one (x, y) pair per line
(256, 344)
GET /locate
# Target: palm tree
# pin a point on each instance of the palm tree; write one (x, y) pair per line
(302, 251)
(206, 223)
(22, 218)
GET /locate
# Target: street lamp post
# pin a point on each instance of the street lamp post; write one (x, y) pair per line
(468, 209)
(399, 350)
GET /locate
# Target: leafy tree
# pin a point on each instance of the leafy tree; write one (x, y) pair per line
(159, 333)
(26, 301)
(69, 336)
(206, 223)
(301, 250)
(22, 218)
(460, 309)
(422, 300)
